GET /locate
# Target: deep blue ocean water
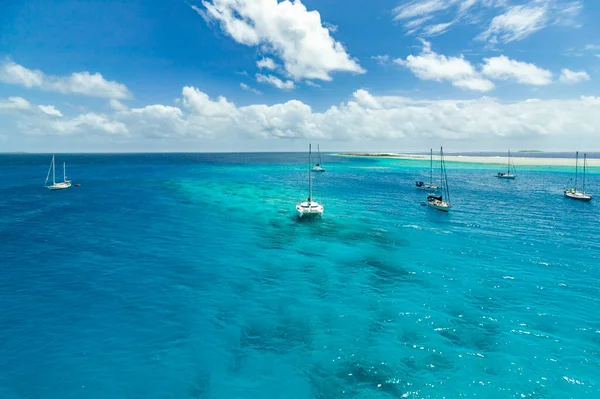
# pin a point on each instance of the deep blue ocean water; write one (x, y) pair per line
(189, 276)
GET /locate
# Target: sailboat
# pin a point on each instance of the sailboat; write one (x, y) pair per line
(573, 192)
(437, 201)
(57, 186)
(318, 167)
(309, 207)
(510, 172)
(428, 187)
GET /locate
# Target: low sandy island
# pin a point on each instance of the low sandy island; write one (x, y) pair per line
(525, 161)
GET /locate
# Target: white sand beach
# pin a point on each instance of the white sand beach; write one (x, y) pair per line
(524, 161)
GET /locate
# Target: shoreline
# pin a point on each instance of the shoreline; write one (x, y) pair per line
(492, 160)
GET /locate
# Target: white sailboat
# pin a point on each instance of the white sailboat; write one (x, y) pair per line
(428, 187)
(60, 185)
(441, 202)
(318, 167)
(573, 192)
(511, 171)
(309, 207)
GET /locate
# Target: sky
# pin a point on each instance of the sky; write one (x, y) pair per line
(268, 75)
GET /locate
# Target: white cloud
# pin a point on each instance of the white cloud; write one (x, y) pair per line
(330, 27)
(516, 24)
(363, 117)
(266, 63)
(504, 68)
(312, 84)
(160, 120)
(117, 105)
(420, 8)
(13, 73)
(437, 67)
(568, 76)
(365, 99)
(244, 86)
(35, 121)
(520, 21)
(381, 59)
(199, 103)
(14, 103)
(426, 17)
(50, 110)
(89, 123)
(437, 29)
(511, 23)
(275, 81)
(288, 30)
(84, 83)
(592, 47)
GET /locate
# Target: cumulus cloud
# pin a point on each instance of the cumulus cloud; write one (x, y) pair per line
(504, 68)
(117, 105)
(14, 103)
(87, 124)
(84, 83)
(50, 110)
(266, 63)
(286, 29)
(568, 76)
(275, 81)
(363, 117)
(437, 67)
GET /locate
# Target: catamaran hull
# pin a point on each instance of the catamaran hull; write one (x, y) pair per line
(509, 177)
(309, 212)
(306, 215)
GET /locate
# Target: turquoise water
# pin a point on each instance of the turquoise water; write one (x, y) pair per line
(189, 276)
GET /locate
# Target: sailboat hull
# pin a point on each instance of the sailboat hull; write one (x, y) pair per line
(427, 188)
(440, 206)
(579, 196)
(59, 186)
(506, 176)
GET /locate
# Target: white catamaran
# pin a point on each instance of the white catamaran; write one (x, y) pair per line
(511, 172)
(573, 192)
(428, 187)
(309, 207)
(318, 167)
(57, 186)
(441, 202)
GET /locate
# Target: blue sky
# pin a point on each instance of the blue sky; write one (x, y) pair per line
(262, 75)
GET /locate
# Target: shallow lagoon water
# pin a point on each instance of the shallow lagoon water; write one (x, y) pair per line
(189, 276)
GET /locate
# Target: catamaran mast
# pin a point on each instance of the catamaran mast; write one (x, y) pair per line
(309, 174)
(64, 171)
(508, 161)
